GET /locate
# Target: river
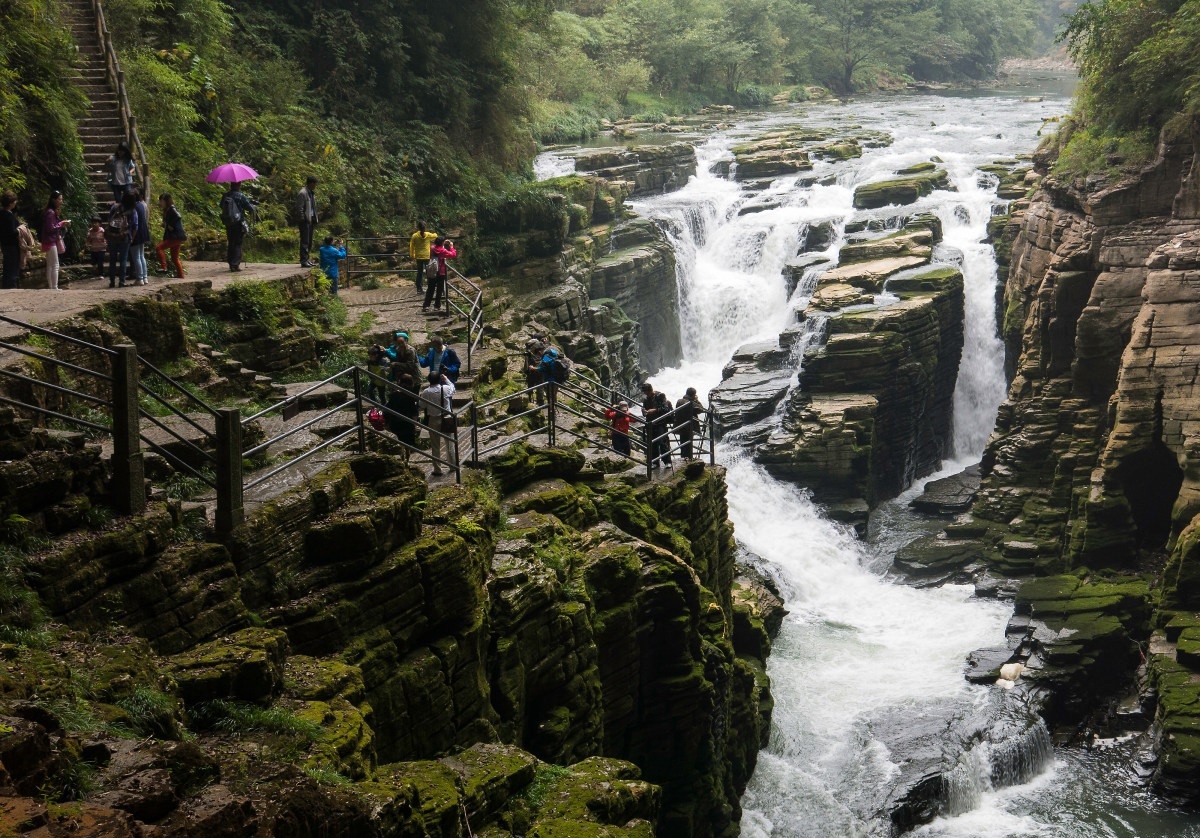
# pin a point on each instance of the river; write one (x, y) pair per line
(868, 671)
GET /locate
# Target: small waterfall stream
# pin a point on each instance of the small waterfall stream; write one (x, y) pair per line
(867, 674)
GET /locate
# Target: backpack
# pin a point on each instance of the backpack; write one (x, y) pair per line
(231, 211)
(562, 368)
(117, 228)
(431, 270)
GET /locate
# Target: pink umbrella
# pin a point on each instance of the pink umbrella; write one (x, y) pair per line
(231, 173)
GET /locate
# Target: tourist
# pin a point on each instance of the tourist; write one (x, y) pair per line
(687, 421)
(555, 368)
(141, 238)
(656, 410)
(122, 171)
(619, 419)
(403, 410)
(118, 232)
(418, 251)
(442, 250)
(235, 214)
(534, 347)
(306, 212)
(53, 229)
(440, 358)
(376, 359)
(332, 254)
(28, 243)
(173, 235)
(402, 353)
(438, 398)
(96, 245)
(10, 240)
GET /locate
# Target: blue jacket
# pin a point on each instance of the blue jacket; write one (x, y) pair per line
(142, 234)
(449, 362)
(330, 254)
(551, 370)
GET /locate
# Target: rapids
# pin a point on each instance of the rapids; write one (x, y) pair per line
(867, 672)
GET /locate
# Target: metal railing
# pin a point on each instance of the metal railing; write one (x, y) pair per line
(116, 79)
(463, 295)
(574, 412)
(114, 390)
(132, 392)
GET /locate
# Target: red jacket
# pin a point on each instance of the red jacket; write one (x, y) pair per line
(620, 421)
(443, 253)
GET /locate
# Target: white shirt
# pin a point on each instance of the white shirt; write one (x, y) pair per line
(438, 394)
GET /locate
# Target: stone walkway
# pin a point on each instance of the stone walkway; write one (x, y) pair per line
(41, 306)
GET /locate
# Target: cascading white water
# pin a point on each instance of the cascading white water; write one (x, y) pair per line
(857, 651)
(860, 658)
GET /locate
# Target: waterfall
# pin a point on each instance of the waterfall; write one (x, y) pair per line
(862, 665)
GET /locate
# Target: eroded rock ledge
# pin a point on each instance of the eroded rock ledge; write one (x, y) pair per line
(543, 651)
(1092, 479)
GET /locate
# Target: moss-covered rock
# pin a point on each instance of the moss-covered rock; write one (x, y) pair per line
(902, 190)
(246, 665)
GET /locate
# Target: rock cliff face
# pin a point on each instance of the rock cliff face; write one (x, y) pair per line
(603, 285)
(364, 635)
(1095, 463)
(874, 406)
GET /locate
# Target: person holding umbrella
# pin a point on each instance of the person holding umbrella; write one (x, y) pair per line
(235, 208)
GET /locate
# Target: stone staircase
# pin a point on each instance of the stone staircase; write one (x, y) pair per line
(101, 129)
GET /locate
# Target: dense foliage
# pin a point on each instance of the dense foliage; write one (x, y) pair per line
(409, 108)
(39, 144)
(596, 53)
(400, 107)
(1140, 70)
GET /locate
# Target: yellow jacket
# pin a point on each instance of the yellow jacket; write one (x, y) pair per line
(418, 245)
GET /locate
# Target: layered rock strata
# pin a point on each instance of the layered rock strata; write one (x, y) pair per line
(874, 403)
(646, 170)
(372, 633)
(1095, 463)
(602, 285)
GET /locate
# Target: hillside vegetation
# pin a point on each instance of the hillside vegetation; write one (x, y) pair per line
(1140, 73)
(410, 108)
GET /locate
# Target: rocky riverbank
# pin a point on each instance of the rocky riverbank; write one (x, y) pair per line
(1090, 483)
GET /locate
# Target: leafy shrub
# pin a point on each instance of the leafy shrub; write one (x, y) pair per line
(239, 718)
(753, 96)
(255, 302)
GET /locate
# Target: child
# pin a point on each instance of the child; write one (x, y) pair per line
(620, 419)
(97, 245)
(331, 254)
(173, 235)
(375, 390)
(28, 243)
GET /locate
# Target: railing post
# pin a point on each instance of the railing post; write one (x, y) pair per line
(649, 451)
(710, 428)
(457, 455)
(231, 509)
(470, 338)
(129, 484)
(551, 398)
(358, 410)
(474, 433)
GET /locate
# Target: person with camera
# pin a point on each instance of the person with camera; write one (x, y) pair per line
(441, 359)
(438, 401)
(332, 254)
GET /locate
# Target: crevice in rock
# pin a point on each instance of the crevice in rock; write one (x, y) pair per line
(1151, 479)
